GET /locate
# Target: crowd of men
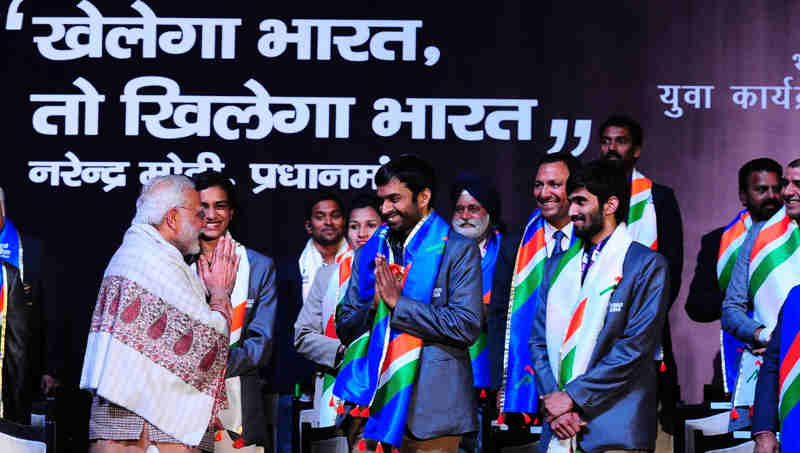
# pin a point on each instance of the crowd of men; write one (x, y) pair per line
(420, 329)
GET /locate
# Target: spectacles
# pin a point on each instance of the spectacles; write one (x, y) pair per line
(201, 214)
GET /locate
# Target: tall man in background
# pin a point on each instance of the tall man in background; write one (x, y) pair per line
(654, 220)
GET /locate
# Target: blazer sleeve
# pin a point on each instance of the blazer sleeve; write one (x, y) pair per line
(670, 238)
(736, 302)
(543, 373)
(310, 340)
(457, 321)
(16, 385)
(765, 408)
(256, 349)
(704, 302)
(607, 380)
(353, 316)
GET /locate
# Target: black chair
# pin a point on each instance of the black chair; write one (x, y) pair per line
(27, 432)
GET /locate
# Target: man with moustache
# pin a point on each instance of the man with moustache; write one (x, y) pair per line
(155, 319)
(253, 302)
(750, 314)
(548, 232)
(324, 223)
(654, 219)
(476, 215)
(776, 398)
(417, 285)
(758, 182)
(599, 317)
(315, 331)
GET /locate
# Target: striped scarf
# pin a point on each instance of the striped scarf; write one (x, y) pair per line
(478, 352)
(642, 213)
(789, 374)
(11, 247)
(4, 284)
(328, 403)
(232, 418)
(772, 274)
(520, 391)
(576, 313)
(730, 243)
(383, 380)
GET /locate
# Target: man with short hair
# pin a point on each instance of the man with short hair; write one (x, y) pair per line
(763, 273)
(253, 302)
(759, 186)
(548, 232)
(417, 285)
(324, 222)
(600, 312)
(654, 220)
(158, 348)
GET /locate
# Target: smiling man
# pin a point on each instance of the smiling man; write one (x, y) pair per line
(548, 232)
(253, 302)
(600, 312)
(415, 286)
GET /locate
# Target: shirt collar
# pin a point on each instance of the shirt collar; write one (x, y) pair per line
(549, 230)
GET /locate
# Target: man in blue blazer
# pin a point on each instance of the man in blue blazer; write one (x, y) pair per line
(252, 353)
(610, 403)
(443, 405)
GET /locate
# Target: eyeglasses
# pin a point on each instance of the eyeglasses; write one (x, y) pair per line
(201, 214)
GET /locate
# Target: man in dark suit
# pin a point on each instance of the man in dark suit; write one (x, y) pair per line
(621, 140)
(609, 402)
(442, 405)
(15, 385)
(254, 327)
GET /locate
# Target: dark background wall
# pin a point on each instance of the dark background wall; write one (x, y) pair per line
(581, 61)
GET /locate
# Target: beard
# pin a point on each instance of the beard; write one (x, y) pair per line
(472, 228)
(323, 240)
(591, 227)
(765, 210)
(189, 239)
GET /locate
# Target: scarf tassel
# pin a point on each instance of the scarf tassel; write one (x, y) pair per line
(332, 404)
(362, 445)
(340, 409)
(501, 420)
(483, 394)
(527, 418)
(750, 412)
(734, 414)
(239, 443)
(379, 448)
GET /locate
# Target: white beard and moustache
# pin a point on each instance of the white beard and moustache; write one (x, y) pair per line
(477, 230)
(189, 239)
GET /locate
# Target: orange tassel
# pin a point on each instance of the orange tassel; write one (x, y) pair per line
(340, 409)
(218, 436)
(395, 451)
(483, 394)
(362, 446)
(535, 421)
(734, 414)
(501, 420)
(527, 418)
(663, 368)
(379, 448)
(354, 412)
(365, 412)
(750, 413)
(239, 443)
(758, 363)
(331, 404)
(739, 350)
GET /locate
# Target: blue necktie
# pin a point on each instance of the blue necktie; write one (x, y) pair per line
(557, 248)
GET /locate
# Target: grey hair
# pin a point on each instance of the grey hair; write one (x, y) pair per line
(160, 195)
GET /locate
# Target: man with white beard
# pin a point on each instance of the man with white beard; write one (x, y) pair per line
(475, 215)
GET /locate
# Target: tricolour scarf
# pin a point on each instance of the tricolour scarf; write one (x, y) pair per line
(383, 380)
(576, 313)
(520, 389)
(4, 284)
(329, 406)
(642, 225)
(479, 352)
(789, 374)
(311, 260)
(155, 347)
(772, 274)
(11, 247)
(729, 246)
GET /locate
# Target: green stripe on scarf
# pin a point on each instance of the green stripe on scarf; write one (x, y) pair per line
(523, 291)
(566, 368)
(637, 211)
(773, 260)
(790, 398)
(568, 255)
(401, 379)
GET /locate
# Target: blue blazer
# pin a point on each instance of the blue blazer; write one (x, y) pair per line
(617, 394)
(443, 402)
(247, 360)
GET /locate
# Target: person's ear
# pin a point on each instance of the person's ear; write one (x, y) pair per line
(308, 226)
(611, 205)
(171, 219)
(424, 198)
